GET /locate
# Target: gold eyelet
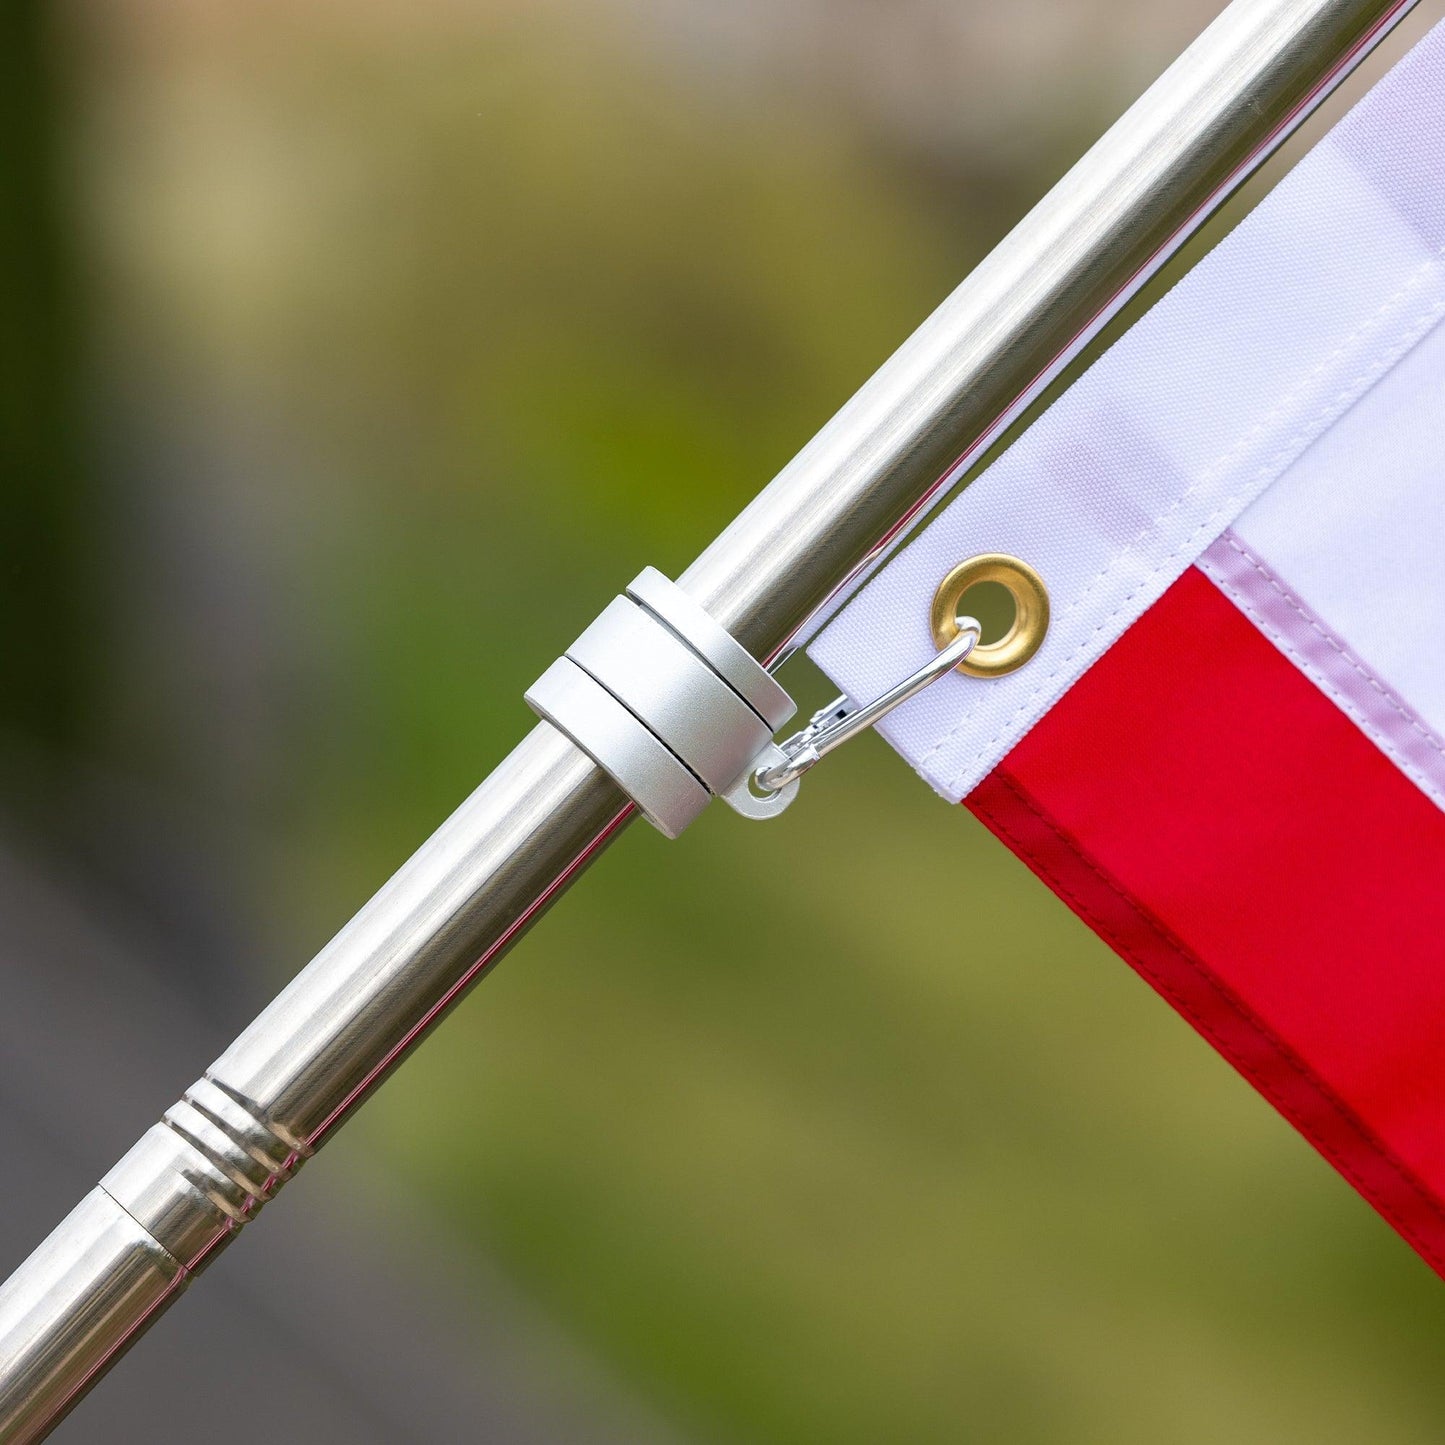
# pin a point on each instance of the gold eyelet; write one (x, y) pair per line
(1031, 613)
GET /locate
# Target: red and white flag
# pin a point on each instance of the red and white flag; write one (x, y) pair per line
(1228, 756)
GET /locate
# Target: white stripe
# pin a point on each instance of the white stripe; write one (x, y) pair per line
(1141, 465)
(1354, 536)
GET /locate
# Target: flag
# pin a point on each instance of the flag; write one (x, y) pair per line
(1228, 755)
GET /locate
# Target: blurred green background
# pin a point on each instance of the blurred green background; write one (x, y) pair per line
(355, 354)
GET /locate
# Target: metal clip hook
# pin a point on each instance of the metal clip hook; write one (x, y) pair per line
(833, 725)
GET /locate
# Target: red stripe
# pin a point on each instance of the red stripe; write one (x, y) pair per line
(1229, 831)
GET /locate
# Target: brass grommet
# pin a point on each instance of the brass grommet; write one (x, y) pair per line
(1031, 613)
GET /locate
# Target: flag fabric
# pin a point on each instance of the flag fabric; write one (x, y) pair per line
(1228, 756)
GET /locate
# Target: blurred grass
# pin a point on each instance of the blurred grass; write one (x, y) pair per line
(841, 1129)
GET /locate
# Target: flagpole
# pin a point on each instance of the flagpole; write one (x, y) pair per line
(130, 1247)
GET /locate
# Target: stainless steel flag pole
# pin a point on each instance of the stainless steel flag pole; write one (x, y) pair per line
(129, 1248)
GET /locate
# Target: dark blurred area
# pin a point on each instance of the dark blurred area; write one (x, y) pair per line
(44, 497)
(353, 355)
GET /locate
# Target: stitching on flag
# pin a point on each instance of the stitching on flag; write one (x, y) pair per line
(1305, 435)
(1237, 584)
(1346, 1142)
